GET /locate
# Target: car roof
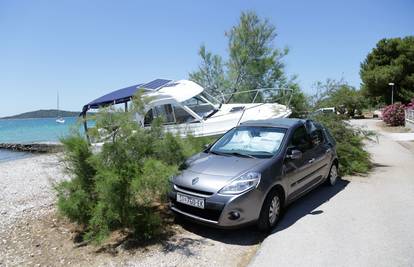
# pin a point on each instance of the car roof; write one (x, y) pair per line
(279, 122)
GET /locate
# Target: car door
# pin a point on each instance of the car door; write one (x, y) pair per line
(298, 171)
(321, 154)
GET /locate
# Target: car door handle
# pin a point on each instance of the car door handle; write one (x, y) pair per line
(312, 160)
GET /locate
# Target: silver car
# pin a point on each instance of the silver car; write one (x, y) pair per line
(253, 171)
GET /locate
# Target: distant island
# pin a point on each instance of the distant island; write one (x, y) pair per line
(44, 113)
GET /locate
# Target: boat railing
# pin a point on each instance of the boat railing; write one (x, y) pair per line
(282, 93)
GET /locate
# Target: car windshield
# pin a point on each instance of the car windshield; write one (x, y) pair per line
(250, 141)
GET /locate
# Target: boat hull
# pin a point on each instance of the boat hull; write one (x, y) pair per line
(229, 116)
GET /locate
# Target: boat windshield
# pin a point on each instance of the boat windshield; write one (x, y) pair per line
(251, 141)
(200, 105)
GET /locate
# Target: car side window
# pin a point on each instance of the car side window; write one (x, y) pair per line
(329, 137)
(317, 137)
(300, 139)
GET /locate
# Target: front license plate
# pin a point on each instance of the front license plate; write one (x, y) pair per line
(190, 200)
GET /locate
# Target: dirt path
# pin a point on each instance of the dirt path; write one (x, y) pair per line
(363, 221)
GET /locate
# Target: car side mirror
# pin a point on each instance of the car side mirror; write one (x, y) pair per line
(294, 154)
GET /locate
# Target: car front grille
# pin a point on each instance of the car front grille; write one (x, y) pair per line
(191, 190)
(207, 213)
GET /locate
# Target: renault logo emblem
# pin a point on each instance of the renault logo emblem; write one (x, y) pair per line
(195, 180)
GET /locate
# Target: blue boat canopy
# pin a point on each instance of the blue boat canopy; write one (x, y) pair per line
(123, 95)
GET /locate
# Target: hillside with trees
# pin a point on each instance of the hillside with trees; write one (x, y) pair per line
(44, 113)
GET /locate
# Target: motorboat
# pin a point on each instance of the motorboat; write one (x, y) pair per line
(60, 120)
(186, 107)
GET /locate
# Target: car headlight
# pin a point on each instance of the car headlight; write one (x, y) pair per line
(243, 183)
(171, 178)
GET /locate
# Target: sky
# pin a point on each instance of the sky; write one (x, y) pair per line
(85, 49)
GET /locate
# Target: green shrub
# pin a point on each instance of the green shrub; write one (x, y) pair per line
(192, 145)
(353, 159)
(75, 197)
(124, 185)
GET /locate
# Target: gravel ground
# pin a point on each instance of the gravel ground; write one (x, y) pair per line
(26, 187)
(31, 233)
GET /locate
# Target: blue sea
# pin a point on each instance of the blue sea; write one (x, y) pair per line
(33, 130)
(7, 155)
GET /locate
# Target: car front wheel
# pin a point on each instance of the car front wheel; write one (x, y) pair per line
(270, 212)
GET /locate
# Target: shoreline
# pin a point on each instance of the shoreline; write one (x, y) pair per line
(36, 147)
(39, 118)
(10, 155)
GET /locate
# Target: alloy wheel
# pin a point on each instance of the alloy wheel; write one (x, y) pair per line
(333, 174)
(274, 209)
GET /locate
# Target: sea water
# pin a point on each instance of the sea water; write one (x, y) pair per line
(33, 131)
(6, 155)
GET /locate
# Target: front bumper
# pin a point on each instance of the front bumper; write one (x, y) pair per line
(223, 211)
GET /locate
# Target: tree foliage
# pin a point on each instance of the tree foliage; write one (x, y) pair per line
(253, 62)
(124, 185)
(211, 73)
(353, 158)
(392, 60)
(299, 101)
(345, 98)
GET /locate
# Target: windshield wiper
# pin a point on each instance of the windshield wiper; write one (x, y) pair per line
(218, 153)
(242, 155)
(264, 152)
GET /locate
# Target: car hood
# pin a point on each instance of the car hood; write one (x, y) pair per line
(213, 171)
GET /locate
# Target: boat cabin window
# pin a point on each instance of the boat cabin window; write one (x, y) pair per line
(170, 114)
(181, 115)
(149, 117)
(165, 112)
(199, 106)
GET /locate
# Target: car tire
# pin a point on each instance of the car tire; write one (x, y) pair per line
(270, 212)
(333, 175)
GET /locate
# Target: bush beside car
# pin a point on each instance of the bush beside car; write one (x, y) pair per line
(353, 158)
(123, 186)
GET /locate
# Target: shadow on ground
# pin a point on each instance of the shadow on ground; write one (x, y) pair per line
(379, 165)
(244, 237)
(304, 206)
(308, 204)
(247, 236)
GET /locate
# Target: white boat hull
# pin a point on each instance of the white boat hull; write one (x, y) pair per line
(60, 120)
(224, 119)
